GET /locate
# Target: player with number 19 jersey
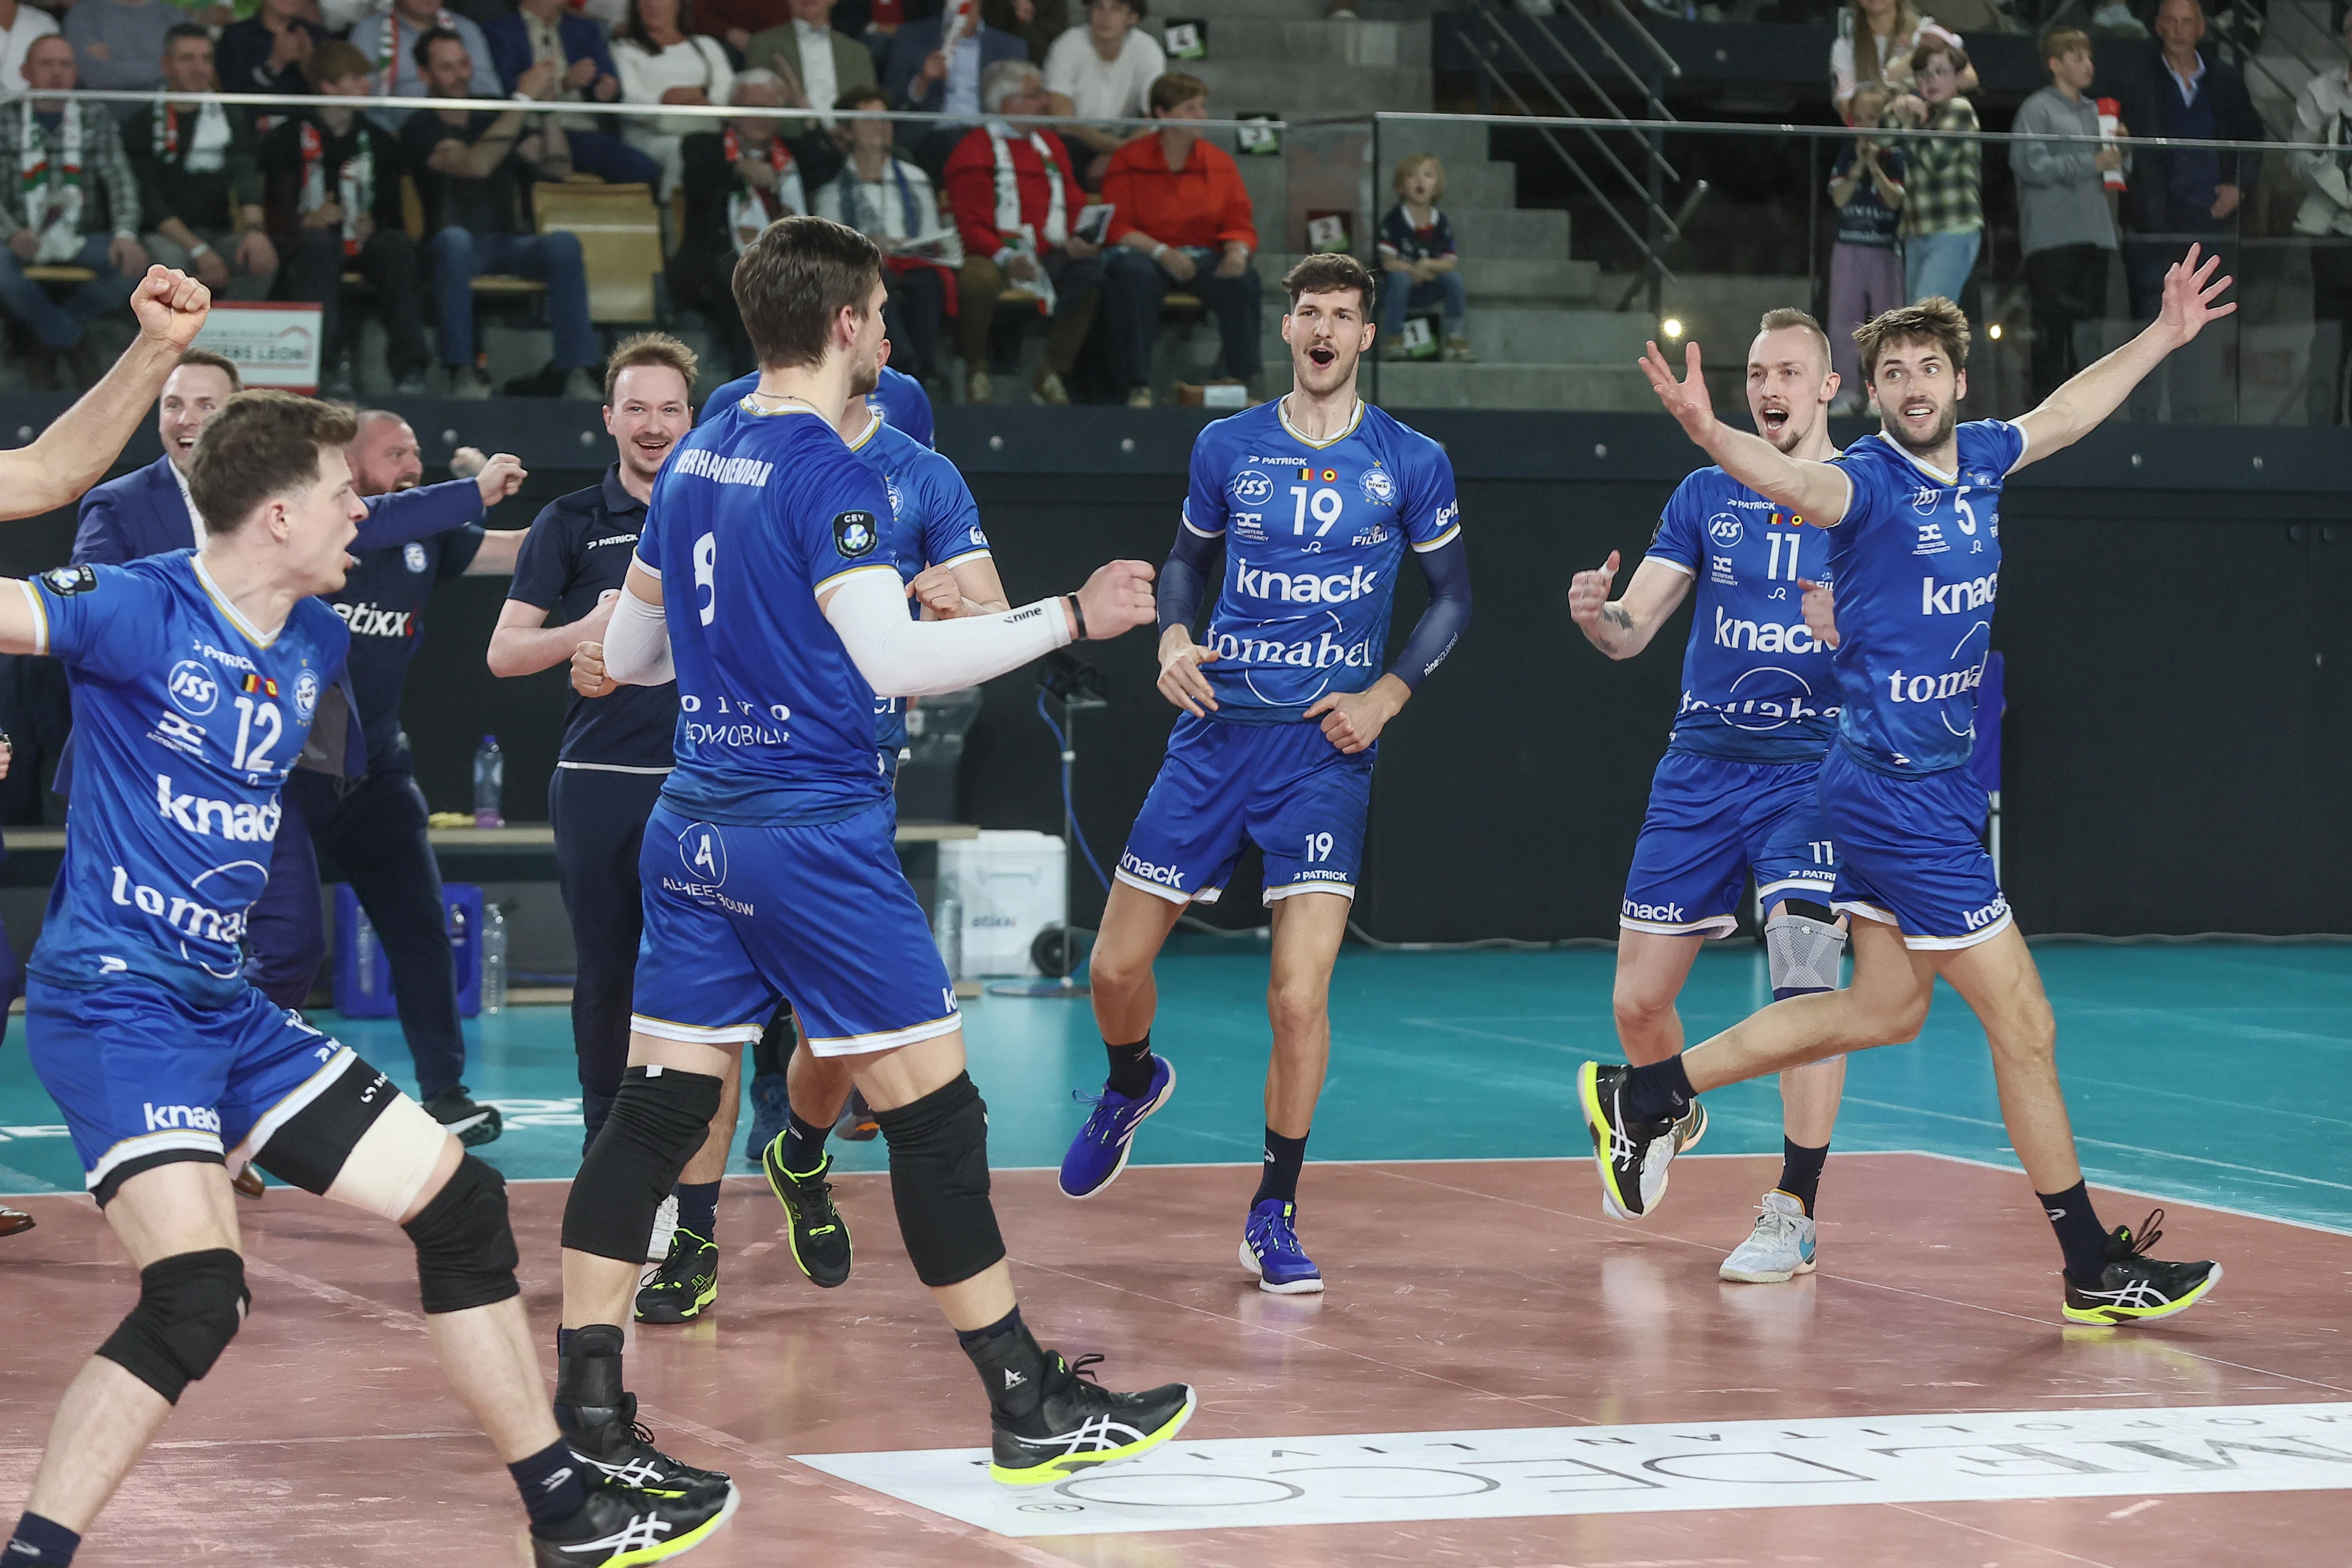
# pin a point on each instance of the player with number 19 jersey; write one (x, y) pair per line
(768, 864)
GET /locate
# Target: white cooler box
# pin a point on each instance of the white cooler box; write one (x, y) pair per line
(1010, 886)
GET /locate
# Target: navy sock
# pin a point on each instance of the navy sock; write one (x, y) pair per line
(40, 1540)
(2079, 1234)
(1659, 1090)
(1801, 1171)
(1279, 1176)
(804, 1144)
(1130, 1066)
(697, 1207)
(549, 1483)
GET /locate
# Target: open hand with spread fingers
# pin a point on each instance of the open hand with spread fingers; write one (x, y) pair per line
(2190, 292)
(1685, 399)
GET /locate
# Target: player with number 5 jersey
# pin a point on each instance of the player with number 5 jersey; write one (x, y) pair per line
(1315, 502)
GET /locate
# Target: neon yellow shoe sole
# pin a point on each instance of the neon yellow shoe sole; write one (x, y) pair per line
(2110, 1315)
(1588, 1094)
(680, 1545)
(1062, 1466)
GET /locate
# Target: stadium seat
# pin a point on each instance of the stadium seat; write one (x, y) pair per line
(619, 230)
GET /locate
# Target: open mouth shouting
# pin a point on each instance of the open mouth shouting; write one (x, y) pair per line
(1322, 355)
(1775, 416)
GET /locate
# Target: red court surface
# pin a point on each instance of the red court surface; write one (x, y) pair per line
(1465, 1296)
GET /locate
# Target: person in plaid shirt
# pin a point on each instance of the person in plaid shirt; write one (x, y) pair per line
(72, 202)
(1943, 199)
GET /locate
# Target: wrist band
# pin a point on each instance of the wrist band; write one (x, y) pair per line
(1078, 617)
(1157, 251)
(199, 248)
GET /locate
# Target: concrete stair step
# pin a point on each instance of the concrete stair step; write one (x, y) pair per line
(1467, 186)
(1247, 86)
(1502, 385)
(1531, 333)
(1522, 234)
(1264, 35)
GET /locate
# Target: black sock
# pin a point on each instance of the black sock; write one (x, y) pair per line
(563, 1338)
(549, 1483)
(40, 1540)
(2079, 1234)
(1801, 1171)
(1659, 1090)
(1278, 1178)
(1011, 1365)
(804, 1144)
(697, 1208)
(1130, 1068)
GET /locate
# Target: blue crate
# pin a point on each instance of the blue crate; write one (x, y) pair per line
(364, 976)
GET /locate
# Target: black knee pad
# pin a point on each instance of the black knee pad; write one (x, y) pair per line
(464, 1248)
(657, 1121)
(939, 1182)
(190, 1306)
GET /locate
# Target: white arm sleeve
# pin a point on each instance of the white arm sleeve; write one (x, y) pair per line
(905, 657)
(636, 643)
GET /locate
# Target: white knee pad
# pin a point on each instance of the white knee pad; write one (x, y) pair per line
(1802, 952)
(392, 1161)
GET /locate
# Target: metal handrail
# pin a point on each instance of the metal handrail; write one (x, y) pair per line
(1657, 105)
(1529, 60)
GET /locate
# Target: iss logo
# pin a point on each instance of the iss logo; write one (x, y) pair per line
(1251, 488)
(1724, 529)
(413, 556)
(306, 695)
(194, 690)
(1924, 499)
(1378, 489)
(854, 534)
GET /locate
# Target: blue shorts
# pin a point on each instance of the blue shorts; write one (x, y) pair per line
(144, 1077)
(1910, 854)
(1283, 787)
(1714, 822)
(737, 918)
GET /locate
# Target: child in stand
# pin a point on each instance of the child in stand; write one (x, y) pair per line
(1417, 249)
(1866, 268)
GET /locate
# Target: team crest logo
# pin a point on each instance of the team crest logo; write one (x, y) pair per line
(890, 488)
(1724, 528)
(1378, 489)
(194, 690)
(306, 695)
(854, 534)
(70, 580)
(1251, 488)
(414, 554)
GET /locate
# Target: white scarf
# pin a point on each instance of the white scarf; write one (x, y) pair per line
(1008, 190)
(53, 188)
(354, 181)
(207, 144)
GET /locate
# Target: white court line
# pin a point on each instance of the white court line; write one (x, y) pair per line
(1548, 1471)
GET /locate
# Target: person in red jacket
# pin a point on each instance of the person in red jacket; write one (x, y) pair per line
(1179, 219)
(1016, 203)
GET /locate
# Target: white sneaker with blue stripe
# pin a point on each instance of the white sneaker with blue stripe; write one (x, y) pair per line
(1778, 1248)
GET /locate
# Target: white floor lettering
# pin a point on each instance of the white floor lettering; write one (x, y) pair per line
(1538, 1470)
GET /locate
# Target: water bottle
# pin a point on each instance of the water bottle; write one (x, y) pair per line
(490, 783)
(364, 946)
(494, 959)
(947, 934)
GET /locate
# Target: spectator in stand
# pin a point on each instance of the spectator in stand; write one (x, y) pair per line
(21, 22)
(739, 177)
(470, 166)
(269, 50)
(1895, 30)
(733, 22)
(937, 66)
(574, 46)
(70, 200)
(331, 180)
(1866, 268)
(1036, 23)
(390, 39)
(1014, 196)
(1943, 199)
(1179, 218)
(659, 62)
(199, 185)
(2068, 233)
(1420, 261)
(118, 43)
(2177, 196)
(888, 199)
(2322, 114)
(1104, 70)
(816, 64)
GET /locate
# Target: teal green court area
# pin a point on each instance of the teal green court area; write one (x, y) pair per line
(2219, 1073)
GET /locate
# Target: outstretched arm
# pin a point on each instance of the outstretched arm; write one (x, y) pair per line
(1818, 493)
(1623, 627)
(75, 452)
(903, 658)
(2085, 400)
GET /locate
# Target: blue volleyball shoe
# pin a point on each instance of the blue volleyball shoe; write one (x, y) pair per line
(1270, 1250)
(1100, 1151)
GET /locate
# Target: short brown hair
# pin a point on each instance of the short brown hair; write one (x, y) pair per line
(205, 359)
(333, 61)
(2065, 41)
(1789, 316)
(1934, 319)
(1936, 43)
(262, 444)
(853, 98)
(795, 279)
(650, 348)
(1175, 88)
(1326, 272)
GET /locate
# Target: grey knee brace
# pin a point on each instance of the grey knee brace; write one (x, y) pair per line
(939, 1182)
(1802, 952)
(190, 1306)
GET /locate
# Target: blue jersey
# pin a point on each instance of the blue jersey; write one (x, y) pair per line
(753, 516)
(1757, 688)
(187, 720)
(901, 398)
(934, 522)
(1315, 534)
(1917, 558)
